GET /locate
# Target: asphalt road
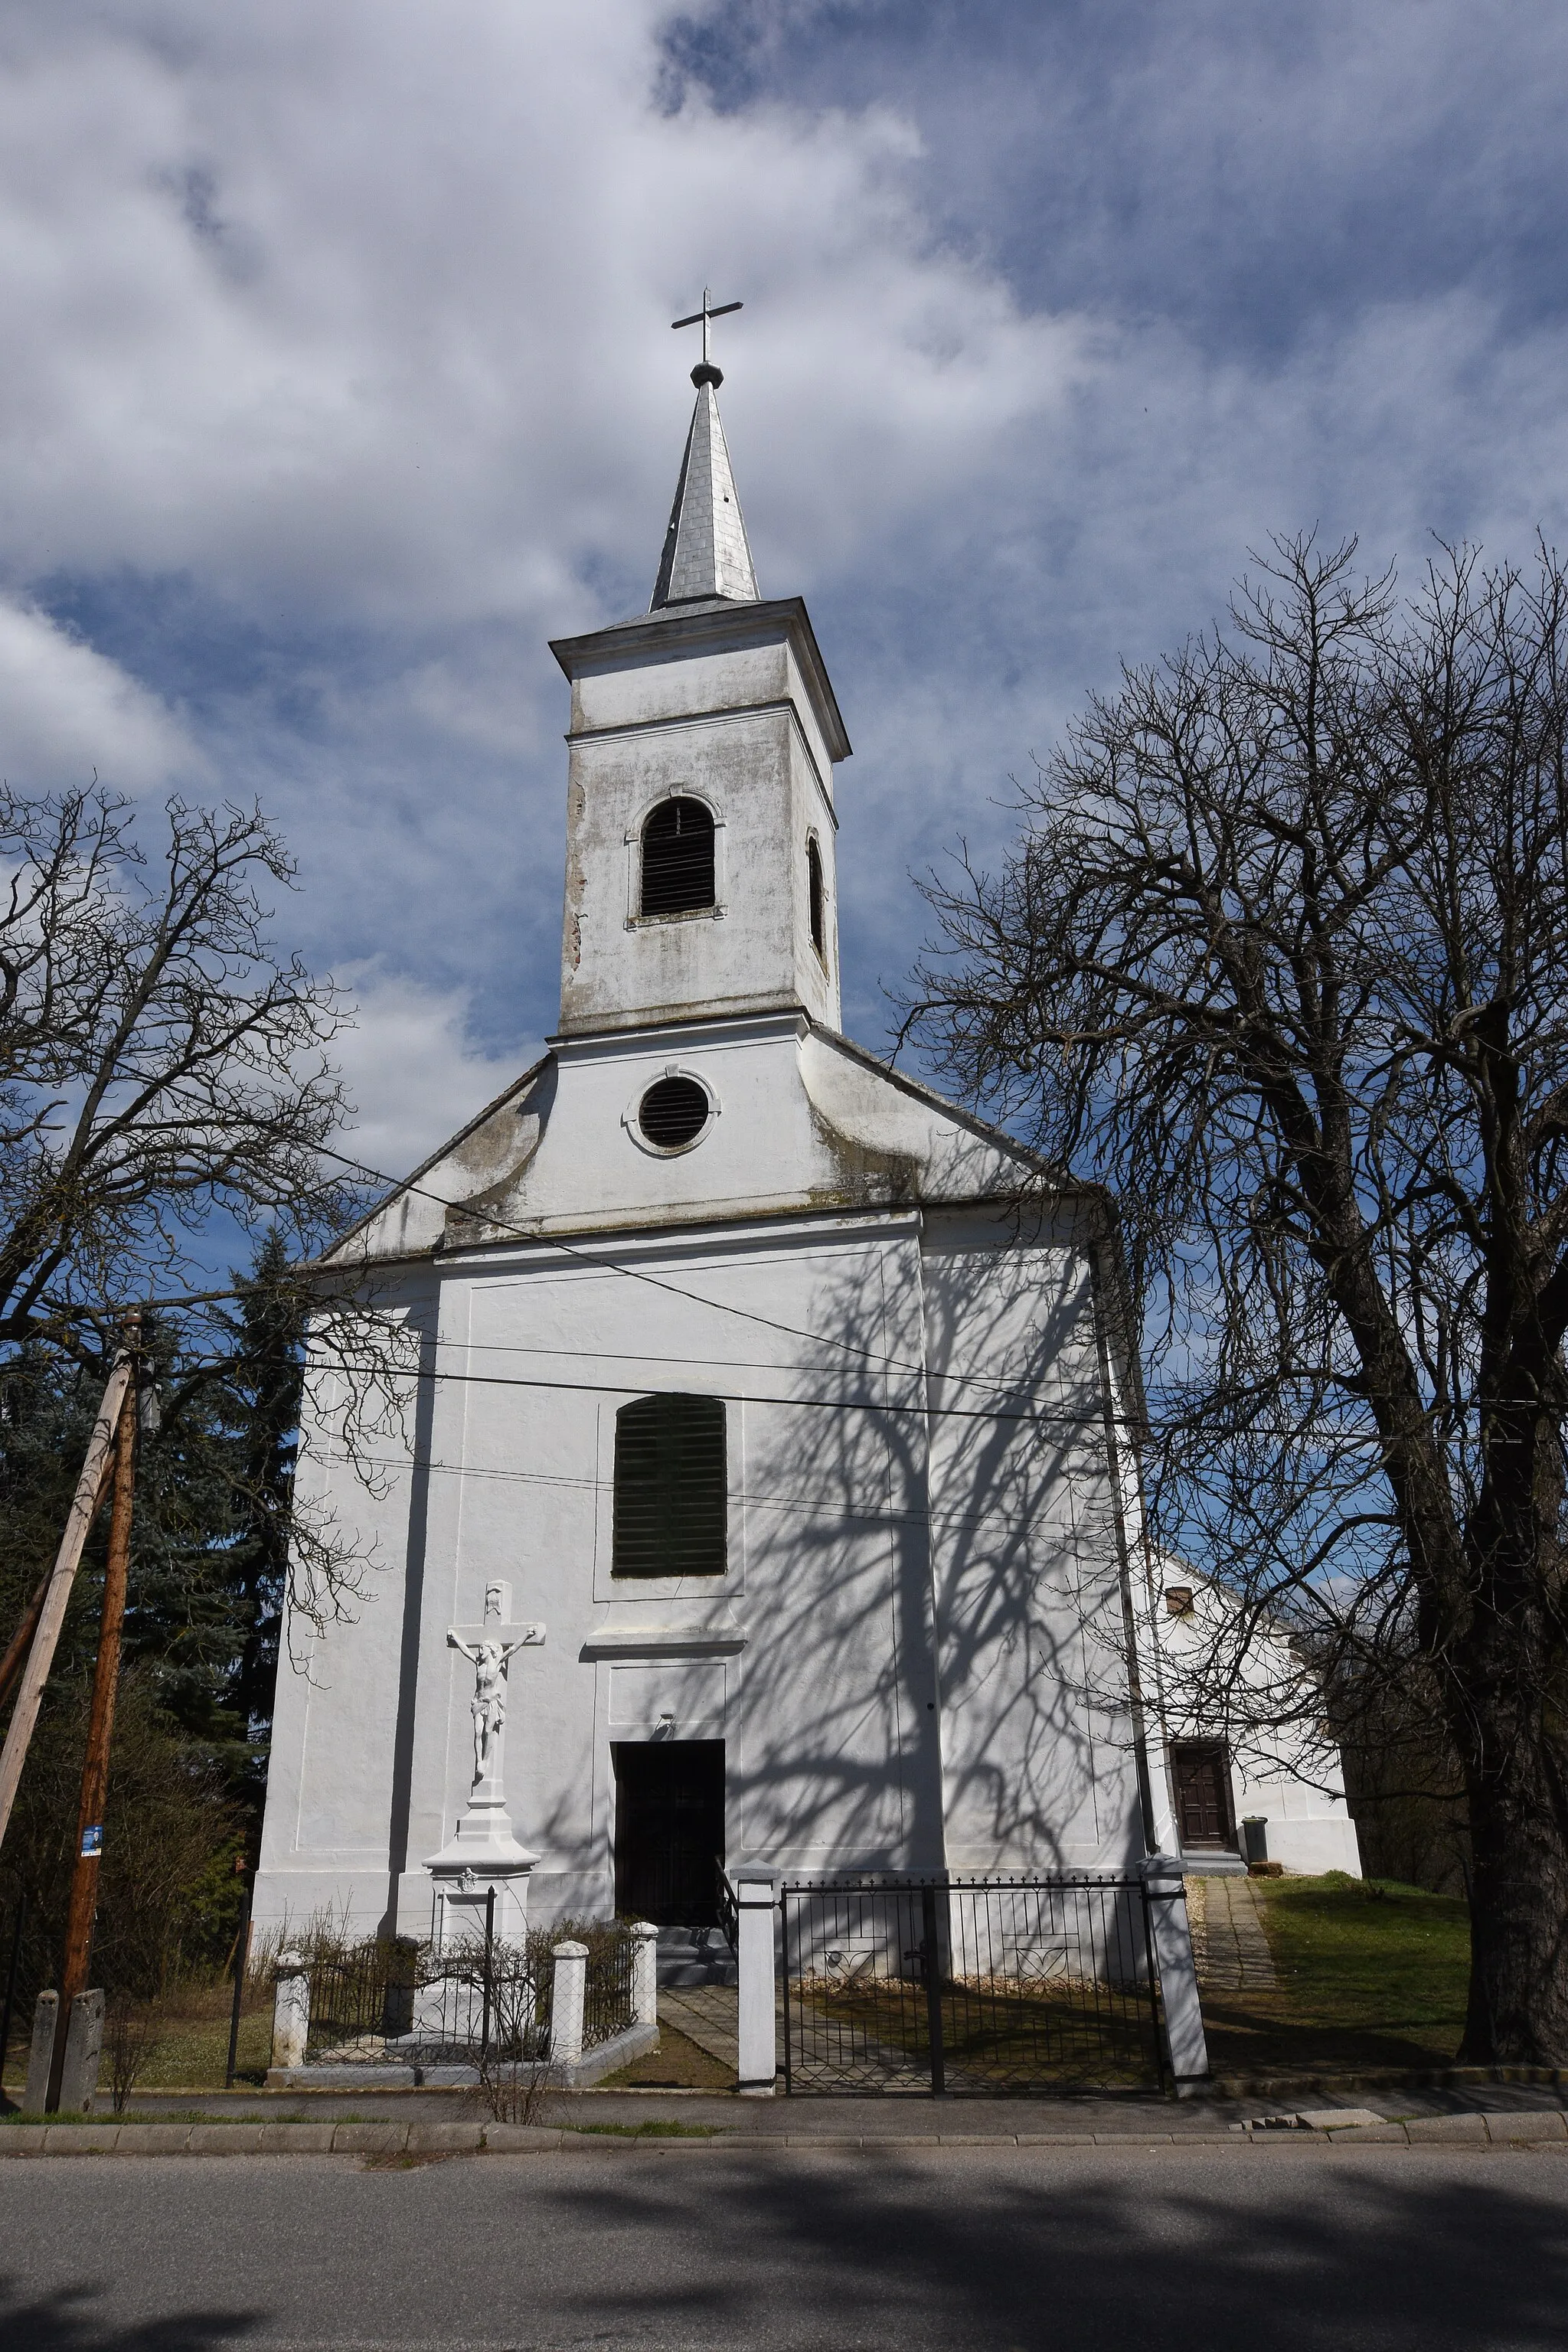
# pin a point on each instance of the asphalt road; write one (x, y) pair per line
(1294, 2250)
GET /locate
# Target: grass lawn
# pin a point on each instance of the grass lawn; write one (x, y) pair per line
(190, 2052)
(1371, 1974)
(1062, 2034)
(187, 2047)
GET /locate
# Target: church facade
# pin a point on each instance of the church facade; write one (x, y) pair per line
(765, 1495)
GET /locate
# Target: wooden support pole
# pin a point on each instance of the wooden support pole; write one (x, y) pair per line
(67, 1559)
(15, 1657)
(83, 1908)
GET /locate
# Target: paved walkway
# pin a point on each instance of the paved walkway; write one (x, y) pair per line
(1230, 1946)
(709, 2015)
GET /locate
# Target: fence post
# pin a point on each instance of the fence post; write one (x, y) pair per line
(1167, 1900)
(291, 2011)
(756, 1901)
(40, 2057)
(241, 1962)
(931, 1961)
(84, 2048)
(645, 1973)
(566, 1998)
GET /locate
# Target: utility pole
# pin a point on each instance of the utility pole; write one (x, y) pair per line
(99, 1731)
(95, 1470)
(15, 1657)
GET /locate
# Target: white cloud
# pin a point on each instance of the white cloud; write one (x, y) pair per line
(412, 1068)
(339, 375)
(66, 712)
(368, 307)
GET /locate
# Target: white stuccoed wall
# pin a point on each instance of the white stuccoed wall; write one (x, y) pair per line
(1291, 1778)
(813, 1656)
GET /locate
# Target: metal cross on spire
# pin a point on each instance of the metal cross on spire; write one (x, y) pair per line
(705, 372)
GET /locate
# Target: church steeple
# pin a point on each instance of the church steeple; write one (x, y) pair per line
(700, 880)
(706, 554)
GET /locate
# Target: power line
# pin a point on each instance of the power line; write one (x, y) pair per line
(870, 1355)
(697, 1364)
(1097, 1419)
(637, 1274)
(885, 1364)
(747, 1396)
(869, 1516)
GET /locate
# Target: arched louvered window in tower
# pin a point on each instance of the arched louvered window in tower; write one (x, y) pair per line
(814, 897)
(671, 1488)
(677, 859)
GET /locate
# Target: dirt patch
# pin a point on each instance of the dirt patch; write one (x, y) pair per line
(678, 2065)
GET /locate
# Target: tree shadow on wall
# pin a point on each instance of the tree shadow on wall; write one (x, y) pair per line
(976, 1491)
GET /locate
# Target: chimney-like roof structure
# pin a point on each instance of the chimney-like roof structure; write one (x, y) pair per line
(706, 555)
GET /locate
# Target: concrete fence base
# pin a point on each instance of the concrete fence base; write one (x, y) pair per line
(84, 2053)
(569, 2065)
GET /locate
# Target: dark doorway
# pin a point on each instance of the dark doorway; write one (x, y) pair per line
(1201, 1769)
(669, 1830)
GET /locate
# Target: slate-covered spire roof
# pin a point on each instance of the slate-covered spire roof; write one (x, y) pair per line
(705, 550)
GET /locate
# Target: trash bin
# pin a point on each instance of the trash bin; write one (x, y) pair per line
(1255, 1837)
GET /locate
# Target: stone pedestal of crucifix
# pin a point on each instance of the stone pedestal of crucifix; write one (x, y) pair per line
(483, 1856)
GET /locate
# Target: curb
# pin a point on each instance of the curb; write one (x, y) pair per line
(1547, 2127)
(1387, 2078)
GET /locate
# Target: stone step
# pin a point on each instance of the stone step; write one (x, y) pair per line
(677, 1975)
(695, 1956)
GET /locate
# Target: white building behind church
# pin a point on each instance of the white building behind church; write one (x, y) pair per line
(785, 1398)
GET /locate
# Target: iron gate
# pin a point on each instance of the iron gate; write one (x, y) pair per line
(992, 1984)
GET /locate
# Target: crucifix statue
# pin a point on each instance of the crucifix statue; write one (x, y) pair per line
(481, 1873)
(490, 1647)
(705, 372)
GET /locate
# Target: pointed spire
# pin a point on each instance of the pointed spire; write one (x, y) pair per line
(706, 554)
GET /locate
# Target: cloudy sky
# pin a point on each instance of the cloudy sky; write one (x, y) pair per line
(338, 376)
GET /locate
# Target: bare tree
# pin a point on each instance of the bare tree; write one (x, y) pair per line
(1282, 954)
(157, 1059)
(162, 1062)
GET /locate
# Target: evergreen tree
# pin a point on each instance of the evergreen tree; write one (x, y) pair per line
(262, 1412)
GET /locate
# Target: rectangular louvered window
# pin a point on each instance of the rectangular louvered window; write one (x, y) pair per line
(672, 1488)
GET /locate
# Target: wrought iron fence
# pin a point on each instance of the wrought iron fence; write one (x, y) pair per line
(398, 2003)
(481, 2001)
(608, 2006)
(362, 1998)
(729, 1908)
(968, 1984)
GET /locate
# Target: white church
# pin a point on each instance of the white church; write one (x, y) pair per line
(766, 1495)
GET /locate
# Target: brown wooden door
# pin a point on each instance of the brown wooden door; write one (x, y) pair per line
(1201, 1769)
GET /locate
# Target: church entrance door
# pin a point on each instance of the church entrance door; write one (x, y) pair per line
(669, 1830)
(1201, 1769)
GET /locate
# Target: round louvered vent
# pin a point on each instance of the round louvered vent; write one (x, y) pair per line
(674, 1113)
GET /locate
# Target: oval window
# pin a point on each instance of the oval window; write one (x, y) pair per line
(673, 1113)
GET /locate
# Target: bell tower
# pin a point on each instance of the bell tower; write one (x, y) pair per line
(702, 875)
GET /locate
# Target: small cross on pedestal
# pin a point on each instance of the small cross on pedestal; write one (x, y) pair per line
(705, 372)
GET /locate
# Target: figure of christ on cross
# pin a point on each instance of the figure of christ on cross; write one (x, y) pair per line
(490, 1647)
